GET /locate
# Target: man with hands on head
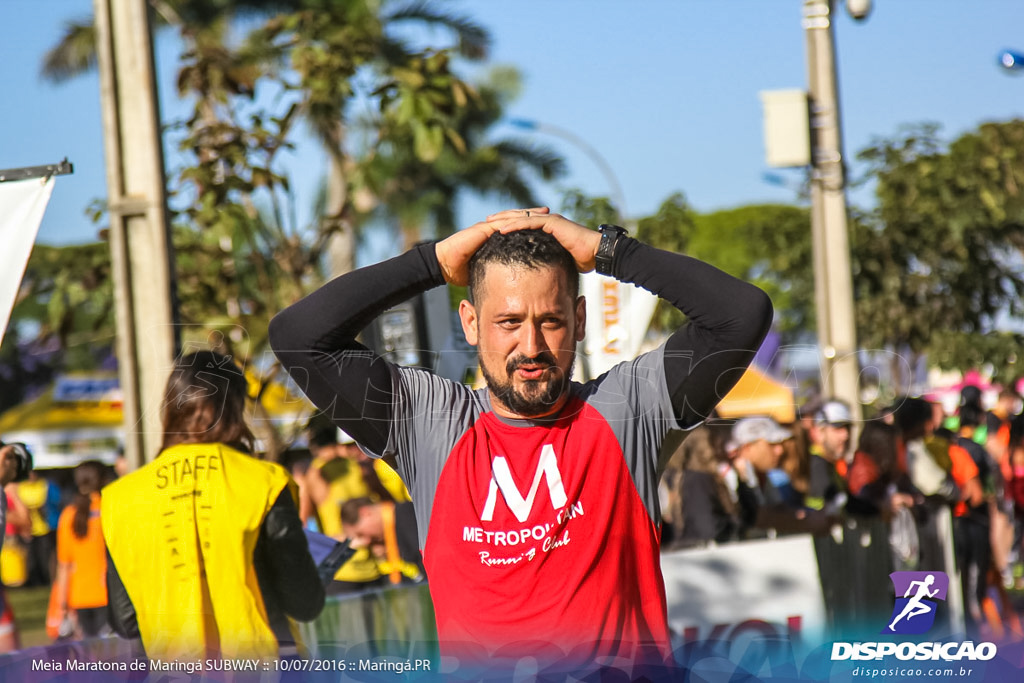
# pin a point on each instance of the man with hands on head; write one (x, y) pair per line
(536, 497)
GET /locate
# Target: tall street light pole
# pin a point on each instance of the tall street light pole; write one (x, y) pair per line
(140, 242)
(833, 279)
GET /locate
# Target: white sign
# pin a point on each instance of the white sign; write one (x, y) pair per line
(22, 203)
(618, 315)
(751, 588)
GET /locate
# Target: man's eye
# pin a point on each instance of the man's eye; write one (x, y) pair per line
(509, 324)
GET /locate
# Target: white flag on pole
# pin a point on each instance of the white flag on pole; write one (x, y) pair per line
(618, 315)
(22, 203)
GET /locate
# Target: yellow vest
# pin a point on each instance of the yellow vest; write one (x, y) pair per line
(182, 531)
(391, 481)
(345, 482)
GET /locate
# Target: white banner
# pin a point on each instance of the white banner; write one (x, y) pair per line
(22, 203)
(618, 315)
(752, 588)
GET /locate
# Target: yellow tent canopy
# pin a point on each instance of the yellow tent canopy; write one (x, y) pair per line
(81, 418)
(49, 412)
(78, 418)
(758, 394)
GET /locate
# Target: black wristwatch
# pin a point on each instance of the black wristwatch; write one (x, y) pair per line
(610, 235)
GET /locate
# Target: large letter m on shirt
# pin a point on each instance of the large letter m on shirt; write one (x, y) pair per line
(501, 478)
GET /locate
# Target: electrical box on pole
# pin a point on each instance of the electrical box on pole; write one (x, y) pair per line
(787, 137)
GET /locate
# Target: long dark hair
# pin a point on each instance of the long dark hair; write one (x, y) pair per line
(878, 441)
(205, 402)
(88, 480)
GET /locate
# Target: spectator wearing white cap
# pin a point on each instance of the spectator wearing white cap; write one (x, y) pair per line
(830, 445)
(755, 449)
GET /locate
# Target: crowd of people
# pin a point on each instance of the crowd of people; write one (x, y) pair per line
(52, 538)
(90, 535)
(206, 549)
(728, 481)
(753, 478)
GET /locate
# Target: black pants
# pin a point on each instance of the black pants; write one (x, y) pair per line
(93, 620)
(40, 555)
(973, 555)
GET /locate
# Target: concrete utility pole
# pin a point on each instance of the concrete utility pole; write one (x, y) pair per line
(833, 280)
(140, 242)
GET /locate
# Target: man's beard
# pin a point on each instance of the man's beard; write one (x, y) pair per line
(537, 396)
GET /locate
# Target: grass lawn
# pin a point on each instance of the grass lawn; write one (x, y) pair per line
(29, 606)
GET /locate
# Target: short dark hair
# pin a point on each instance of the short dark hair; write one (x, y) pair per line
(1017, 431)
(350, 510)
(526, 248)
(971, 415)
(323, 435)
(912, 414)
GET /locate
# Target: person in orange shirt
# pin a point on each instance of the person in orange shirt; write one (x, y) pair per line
(972, 469)
(82, 556)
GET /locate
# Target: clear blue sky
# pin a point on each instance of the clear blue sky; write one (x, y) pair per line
(667, 91)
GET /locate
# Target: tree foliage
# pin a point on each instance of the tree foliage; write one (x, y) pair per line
(769, 245)
(63, 319)
(938, 262)
(332, 67)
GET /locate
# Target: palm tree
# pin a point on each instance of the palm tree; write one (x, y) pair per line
(328, 44)
(414, 191)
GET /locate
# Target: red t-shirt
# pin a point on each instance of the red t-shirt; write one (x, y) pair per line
(561, 516)
(540, 537)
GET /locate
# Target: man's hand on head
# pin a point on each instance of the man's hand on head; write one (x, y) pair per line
(454, 252)
(578, 240)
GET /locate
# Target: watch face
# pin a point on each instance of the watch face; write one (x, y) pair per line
(609, 237)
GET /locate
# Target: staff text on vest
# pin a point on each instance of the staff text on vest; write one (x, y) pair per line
(198, 468)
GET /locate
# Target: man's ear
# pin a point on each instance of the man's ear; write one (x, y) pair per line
(581, 318)
(467, 314)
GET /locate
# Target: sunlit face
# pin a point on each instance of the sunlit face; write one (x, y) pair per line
(762, 455)
(368, 531)
(835, 441)
(352, 452)
(525, 325)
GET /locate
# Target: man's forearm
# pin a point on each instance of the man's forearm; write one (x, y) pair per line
(727, 321)
(315, 340)
(333, 315)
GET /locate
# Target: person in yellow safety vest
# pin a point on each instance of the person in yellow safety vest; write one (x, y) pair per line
(338, 473)
(42, 498)
(388, 531)
(207, 556)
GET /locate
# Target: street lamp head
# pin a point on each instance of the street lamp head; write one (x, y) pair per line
(524, 124)
(858, 9)
(1013, 61)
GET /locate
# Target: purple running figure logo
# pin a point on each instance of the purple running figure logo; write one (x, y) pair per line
(914, 612)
